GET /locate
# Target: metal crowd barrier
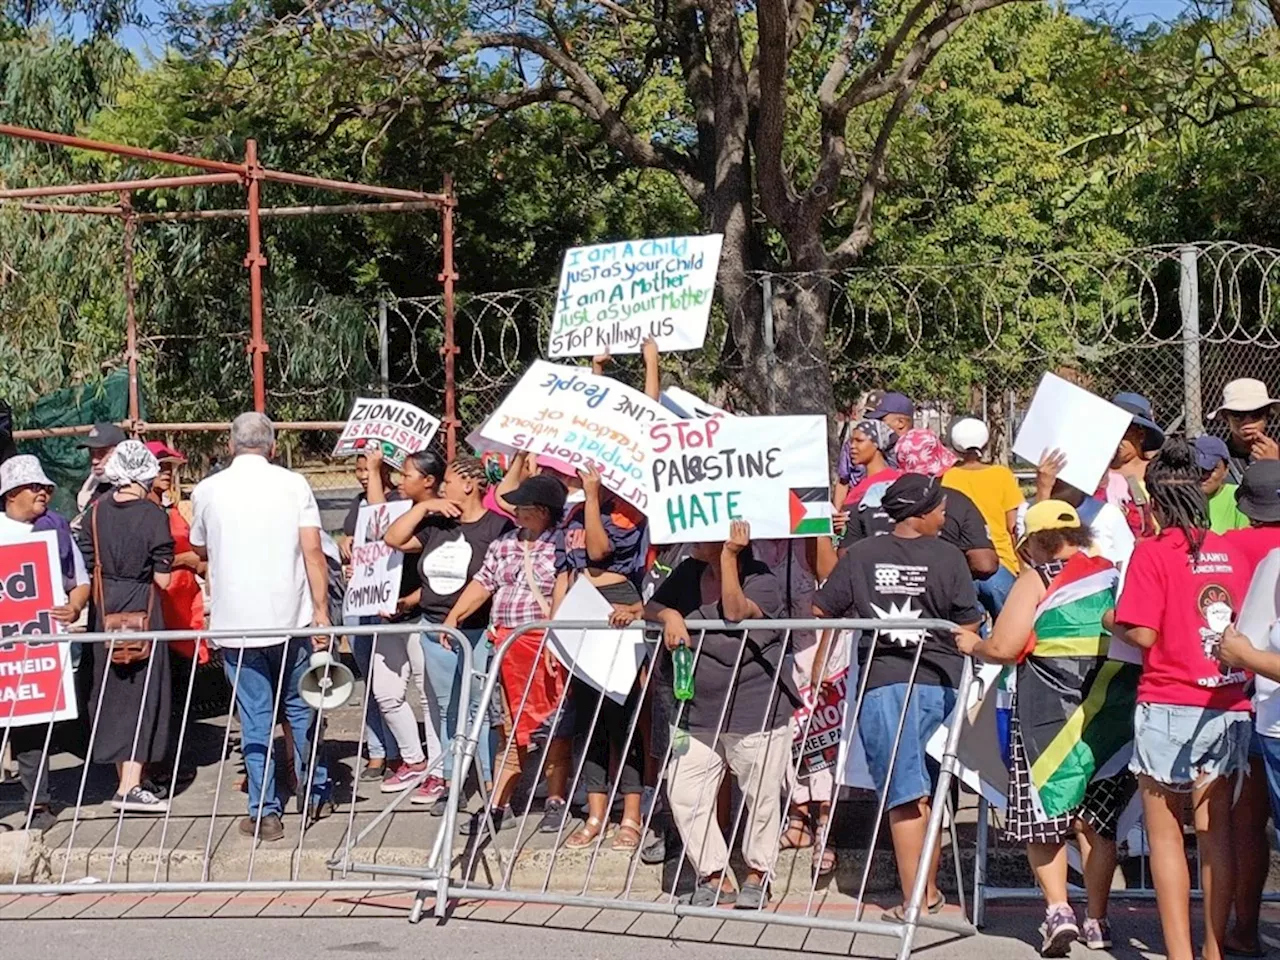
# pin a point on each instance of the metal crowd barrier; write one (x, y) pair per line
(449, 874)
(464, 885)
(118, 855)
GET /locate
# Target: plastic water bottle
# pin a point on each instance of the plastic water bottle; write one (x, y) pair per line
(682, 658)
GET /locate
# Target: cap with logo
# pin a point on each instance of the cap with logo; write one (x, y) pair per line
(892, 402)
(102, 435)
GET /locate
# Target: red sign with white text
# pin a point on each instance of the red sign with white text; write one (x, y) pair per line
(36, 683)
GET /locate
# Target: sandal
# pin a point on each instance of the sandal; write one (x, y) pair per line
(586, 834)
(627, 839)
(899, 913)
(797, 826)
(826, 864)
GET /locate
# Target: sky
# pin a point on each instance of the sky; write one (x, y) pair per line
(147, 42)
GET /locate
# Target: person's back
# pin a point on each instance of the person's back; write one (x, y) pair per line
(994, 491)
(248, 518)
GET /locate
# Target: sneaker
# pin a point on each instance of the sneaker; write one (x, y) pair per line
(138, 800)
(752, 896)
(42, 819)
(270, 828)
(405, 778)
(1096, 934)
(432, 789)
(713, 893)
(503, 819)
(1059, 931)
(373, 774)
(554, 815)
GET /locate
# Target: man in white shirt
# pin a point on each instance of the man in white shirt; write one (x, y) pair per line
(258, 526)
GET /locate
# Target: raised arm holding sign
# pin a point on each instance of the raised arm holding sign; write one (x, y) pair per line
(399, 428)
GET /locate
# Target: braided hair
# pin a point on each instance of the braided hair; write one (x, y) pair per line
(1173, 481)
(471, 468)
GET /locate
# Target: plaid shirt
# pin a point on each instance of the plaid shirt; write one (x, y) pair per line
(502, 574)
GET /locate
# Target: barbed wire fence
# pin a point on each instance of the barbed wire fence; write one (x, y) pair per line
(1174, 323)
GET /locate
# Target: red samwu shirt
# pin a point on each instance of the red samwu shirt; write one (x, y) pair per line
(1188, 604)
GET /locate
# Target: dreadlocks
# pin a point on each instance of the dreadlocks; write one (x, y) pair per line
(470, 468)
(1173, 480)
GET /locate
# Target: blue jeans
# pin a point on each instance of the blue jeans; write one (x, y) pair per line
(913, 771)
(444, 673)
(994, 591)
(259, 670)
(1270, 750)
(381, 745)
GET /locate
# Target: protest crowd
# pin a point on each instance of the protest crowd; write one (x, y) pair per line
(1112, 609)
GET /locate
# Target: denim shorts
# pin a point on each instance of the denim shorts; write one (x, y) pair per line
(913, 769)
(1182, 746)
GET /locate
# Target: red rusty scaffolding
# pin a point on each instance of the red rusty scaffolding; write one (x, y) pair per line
(250, 174)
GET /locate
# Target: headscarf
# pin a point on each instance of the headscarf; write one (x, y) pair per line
(912, 495)
(879, 432)
(920, 451)
(130, 462)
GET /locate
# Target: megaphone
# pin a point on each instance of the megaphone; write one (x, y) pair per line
(327, 684)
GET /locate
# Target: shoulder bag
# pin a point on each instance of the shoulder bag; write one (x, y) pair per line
(123, 652)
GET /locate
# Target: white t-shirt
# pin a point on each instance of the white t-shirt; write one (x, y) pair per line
(248, 518)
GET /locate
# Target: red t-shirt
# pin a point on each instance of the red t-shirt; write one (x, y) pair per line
(859, 489)
(1255, 543)
(1188, 606)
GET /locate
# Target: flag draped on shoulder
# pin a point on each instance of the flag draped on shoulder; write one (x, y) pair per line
(1075, 706)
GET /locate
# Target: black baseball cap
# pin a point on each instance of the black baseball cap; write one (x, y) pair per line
(540, 491)
(102, 435)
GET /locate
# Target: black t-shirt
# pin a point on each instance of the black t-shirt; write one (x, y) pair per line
(761, 694)
(964, 527)
(893, 577)
(408, 571)
(452, 553)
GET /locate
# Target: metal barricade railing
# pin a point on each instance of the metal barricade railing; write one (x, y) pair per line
(526, 682)
(115, 852)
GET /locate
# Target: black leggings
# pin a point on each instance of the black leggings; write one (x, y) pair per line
(609, 737)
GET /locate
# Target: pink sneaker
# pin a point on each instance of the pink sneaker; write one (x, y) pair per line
(432, 789)
(405, 778)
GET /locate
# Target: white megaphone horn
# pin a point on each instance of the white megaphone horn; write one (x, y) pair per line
(327, 684)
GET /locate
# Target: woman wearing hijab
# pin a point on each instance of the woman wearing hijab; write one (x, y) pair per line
(128, 548)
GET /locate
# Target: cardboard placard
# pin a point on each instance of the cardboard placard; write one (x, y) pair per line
(769, 471)
(376, 568)
(1086, 428)
(608, 660)
(401, 428)
(686, 406)
(572, 415)
(612, 296)
(37, 684)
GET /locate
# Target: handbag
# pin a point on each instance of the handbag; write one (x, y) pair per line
(123, 653)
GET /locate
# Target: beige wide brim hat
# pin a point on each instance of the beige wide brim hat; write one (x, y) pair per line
(1244, 395)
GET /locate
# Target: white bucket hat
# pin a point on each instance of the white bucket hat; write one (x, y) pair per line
(23, 470)
(1244, 395)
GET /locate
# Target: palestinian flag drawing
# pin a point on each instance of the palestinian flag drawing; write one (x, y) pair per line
(1074, 705)
(810, 509)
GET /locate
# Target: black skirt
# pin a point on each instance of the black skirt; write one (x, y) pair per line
(135, 717)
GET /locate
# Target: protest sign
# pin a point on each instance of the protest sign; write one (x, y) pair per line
(819, 750)
(607, 659)
(769, 471)
(572, 415)
(401, 429)
(688, 407)
(1086, 428)
(37, 684)
(374, 586)
(613, 296)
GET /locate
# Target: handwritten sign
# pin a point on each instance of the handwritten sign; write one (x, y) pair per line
(614, 295)
(820, 748)
(401, 428)
(572, 415)
(374, 587)
(769, 471)
(37, 684)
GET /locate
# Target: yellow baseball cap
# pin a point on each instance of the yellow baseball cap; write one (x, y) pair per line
(1050, 515)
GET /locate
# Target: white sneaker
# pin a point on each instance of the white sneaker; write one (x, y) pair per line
(138, 800)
